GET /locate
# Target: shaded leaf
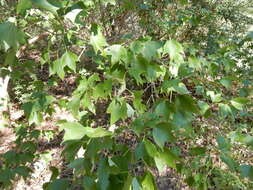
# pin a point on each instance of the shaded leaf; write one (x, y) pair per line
(11, 36)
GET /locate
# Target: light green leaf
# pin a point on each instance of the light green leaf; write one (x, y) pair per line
(135, 184)
(160, 164)
(174, 48)
(57, 68)
(150, 50)
(214, 97)
(224, 110)
(118, 110)
(130, 110)
(203, 107)
(195, 63)
(118, 53)
(87, 103)
(71, 15)
(97, 132)
(174, 85)
(128, 182)
(148, 182)
(11, 36)
(69, 59)
(44, 4)
(138, 102)
(98, 41)
(73, 131)
(23, 5)
(150, 148)
(74, 106)
(169, 158)
(239, 102)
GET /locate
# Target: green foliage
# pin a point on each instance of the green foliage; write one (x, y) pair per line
(174, 75)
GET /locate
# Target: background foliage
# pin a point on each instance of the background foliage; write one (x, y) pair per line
(157, 84)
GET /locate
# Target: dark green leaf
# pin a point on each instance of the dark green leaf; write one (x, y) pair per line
(11, 36)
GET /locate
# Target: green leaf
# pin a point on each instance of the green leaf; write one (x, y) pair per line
(6, 175)
(96, 132)
(148, 182)
(204, 107)
(195, 63)
(223, 143)
(163, 109)
(103, 174)
(71, 15)
(69, 59)
(160, 164)
(98, 41)
(33, 112)
(225, 110)
(174, 85)
(118, 110)
(57, 68)
(196, 151)
(150, 148)
(138, 102)
(73, 131)
(128, 182)
(103, 90)
(214, 97)
(239, 102)
(118, 53)
(44, 4)
(227, 82)
(74, 106)
(229, 161)
(11, 36)
(62, 184)
(187, 103)
(135, 184)
(169, 158)
(87, 103)
(22, 171)
(150, 50)
(89, 182)
(162, 133)
(174, 49)
(55, 173)
(246, 171)
(23, 6)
